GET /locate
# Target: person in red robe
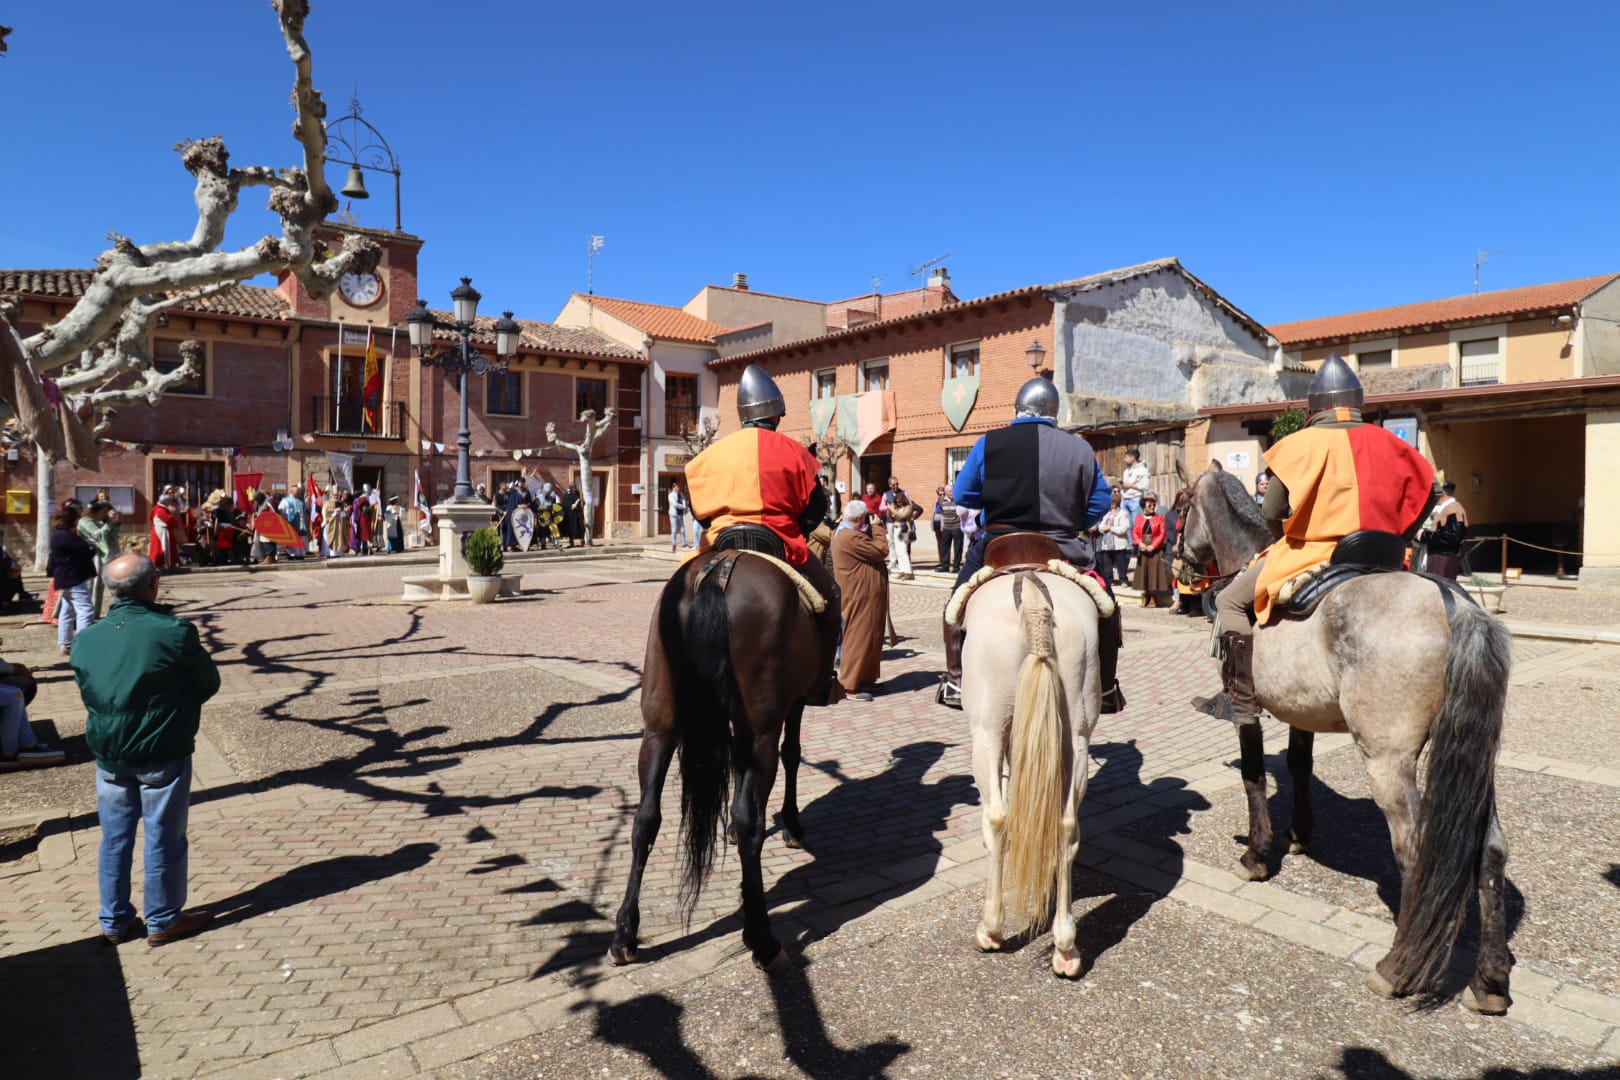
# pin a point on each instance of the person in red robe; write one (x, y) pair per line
(164, 543)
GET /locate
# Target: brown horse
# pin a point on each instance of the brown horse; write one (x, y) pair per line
(1398, 662)
(729, 661)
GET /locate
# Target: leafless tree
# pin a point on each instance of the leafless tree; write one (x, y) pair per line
(594, 429)
(698, 438)
(829, 450)
(65, 381)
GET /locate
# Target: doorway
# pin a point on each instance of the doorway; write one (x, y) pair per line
(875, 469)
(368, 474)
(662, 524)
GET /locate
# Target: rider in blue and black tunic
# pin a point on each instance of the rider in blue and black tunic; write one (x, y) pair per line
(1033, 477)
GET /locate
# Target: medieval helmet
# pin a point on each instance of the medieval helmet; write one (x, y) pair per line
(1334, 384)
(758, 397)
(1037, 397)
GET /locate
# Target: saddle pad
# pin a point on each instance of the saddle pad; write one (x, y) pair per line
(957, 608)
(809, 599)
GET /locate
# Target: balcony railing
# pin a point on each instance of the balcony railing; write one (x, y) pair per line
(349, 416)
(1480, 372)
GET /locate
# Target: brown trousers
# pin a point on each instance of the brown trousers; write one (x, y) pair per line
(1234, 603)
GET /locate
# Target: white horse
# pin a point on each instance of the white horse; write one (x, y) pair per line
(1031, 693)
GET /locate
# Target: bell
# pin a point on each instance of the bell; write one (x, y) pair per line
(355, 186)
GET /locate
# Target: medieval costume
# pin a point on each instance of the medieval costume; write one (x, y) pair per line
(335, 523)
(393, 526)
(859, 565)
(573, 515)
(1032, 476)
(1149, 536)
(164, 545)
(1335, 476)
(361, 523)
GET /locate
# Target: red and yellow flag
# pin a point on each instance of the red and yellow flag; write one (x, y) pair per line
(371, 393)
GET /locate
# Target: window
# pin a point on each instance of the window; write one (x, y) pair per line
(680, 403)
(955, 458)
(194, 480)
(875, 375)
(962, 361)
(824, 383)
(505, 393)
(166, 357)
(122, 496)
(590, 394)
(1478, 362)
(1376, 360)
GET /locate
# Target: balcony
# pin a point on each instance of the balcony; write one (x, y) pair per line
(1480, 372)
(348, 417)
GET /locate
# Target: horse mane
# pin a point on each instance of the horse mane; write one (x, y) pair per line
(1239, 501)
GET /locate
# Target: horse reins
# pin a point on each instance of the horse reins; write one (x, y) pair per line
(1179, 567)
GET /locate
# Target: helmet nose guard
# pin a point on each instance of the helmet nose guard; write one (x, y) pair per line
(758, 397)
(1037, 397)
(1333, 385)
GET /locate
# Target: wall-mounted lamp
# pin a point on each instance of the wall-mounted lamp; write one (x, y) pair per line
(1563, 322)
(1036, 356)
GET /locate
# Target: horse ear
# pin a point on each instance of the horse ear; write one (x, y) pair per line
(1181, 472)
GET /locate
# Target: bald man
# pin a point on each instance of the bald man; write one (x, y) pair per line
(143, 675)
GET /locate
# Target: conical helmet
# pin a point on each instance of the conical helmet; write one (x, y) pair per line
(1037, 397)
(1333, 385)
(758, 397)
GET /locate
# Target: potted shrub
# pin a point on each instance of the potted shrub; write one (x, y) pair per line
(1487, 592)
(484, 562)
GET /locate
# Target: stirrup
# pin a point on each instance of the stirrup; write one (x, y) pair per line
(948, 694)
(1113, 699)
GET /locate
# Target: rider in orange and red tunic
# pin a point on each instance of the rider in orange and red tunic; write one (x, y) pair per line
(761, 478)
(1335, 476)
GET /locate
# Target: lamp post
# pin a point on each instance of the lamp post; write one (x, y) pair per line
(462, 358)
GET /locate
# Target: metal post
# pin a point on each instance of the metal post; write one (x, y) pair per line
(464, 489)
(1504, 558)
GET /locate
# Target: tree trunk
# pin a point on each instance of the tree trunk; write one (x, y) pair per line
(45, 482)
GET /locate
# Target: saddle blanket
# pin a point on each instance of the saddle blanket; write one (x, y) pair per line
(809, 599)
(1086, 579)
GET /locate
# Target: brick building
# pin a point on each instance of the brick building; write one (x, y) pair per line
(275, 371)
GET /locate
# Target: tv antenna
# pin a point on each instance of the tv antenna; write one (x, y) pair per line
(876, 284)
(593, 244)
(925, 267)
(1481, 259)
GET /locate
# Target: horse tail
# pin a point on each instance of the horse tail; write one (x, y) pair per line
(705, 704)
(1459, 802)
(1035, 790)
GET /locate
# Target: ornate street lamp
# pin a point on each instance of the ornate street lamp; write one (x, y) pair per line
(462, 358)
(1036, 356)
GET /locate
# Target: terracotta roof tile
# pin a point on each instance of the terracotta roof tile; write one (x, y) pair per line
(1454, 309)
(545, 337)
(247, 301)
(660, 320)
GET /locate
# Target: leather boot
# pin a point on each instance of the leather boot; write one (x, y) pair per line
(1110, 636)
(950, 687)
(1236, 702)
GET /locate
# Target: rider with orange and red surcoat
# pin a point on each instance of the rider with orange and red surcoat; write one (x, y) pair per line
(768, 484)
(1335, 476)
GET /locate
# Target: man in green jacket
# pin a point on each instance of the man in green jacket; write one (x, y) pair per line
(143, 676)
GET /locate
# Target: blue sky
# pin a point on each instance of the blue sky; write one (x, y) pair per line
(1302, 161)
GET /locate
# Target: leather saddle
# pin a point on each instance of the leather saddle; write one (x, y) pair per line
(746, 536)
(1013, 551)
(1367, 551)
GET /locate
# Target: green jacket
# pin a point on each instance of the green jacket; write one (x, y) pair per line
(143, 675)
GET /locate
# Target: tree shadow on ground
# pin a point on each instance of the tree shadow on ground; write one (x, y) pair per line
(1363, 1063)
(650, 1025)
(69, 1004)
(1612, 875)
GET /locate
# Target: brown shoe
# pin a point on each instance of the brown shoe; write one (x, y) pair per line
(187, 924)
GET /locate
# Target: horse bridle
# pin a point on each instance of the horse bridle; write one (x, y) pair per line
(1178, 565)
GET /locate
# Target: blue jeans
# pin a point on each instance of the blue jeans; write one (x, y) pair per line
(159, 797)
(677, 534)
(1134, 507)
(75, 613)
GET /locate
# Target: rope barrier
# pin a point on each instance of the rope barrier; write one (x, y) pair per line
(1540, 547)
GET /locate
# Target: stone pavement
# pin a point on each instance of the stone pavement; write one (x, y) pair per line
(412, 823)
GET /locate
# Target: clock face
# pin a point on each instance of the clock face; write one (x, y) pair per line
(361, 290)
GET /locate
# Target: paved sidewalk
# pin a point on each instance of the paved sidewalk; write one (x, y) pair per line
(413, 824)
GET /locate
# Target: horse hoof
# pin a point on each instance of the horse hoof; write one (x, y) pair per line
(620, 957)
(1066, 967)
(986, 941)
(1249, 873)
(776, 965)
(794, 842)
(1380, 985)
(731, 837)
(1486, 1004)
(1299, 847)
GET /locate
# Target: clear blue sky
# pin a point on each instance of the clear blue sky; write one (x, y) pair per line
(1302, 162)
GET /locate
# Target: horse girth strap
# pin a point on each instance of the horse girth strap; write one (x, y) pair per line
(723, 563)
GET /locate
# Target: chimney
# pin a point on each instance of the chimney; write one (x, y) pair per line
(739, 282)
(939, 278)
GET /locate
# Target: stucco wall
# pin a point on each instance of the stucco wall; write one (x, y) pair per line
(1602, 533)
(1145, 338)
(791, 319)
(1600, 332)
(1511, 459)
(1537, 351)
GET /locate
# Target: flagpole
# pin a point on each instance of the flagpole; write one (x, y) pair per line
(337, 380)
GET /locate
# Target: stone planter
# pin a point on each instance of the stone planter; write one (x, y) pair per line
(483, 590)
(1489, 596)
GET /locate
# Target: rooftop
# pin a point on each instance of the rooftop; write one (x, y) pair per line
(544, 337)
(1455, 309)
(247, 301)
(659, 320)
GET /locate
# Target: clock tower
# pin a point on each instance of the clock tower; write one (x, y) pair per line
(381, 298)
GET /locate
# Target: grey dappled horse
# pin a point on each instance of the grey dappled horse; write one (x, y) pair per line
(1398, 664)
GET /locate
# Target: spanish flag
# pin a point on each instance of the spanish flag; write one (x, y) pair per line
(371, 393)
